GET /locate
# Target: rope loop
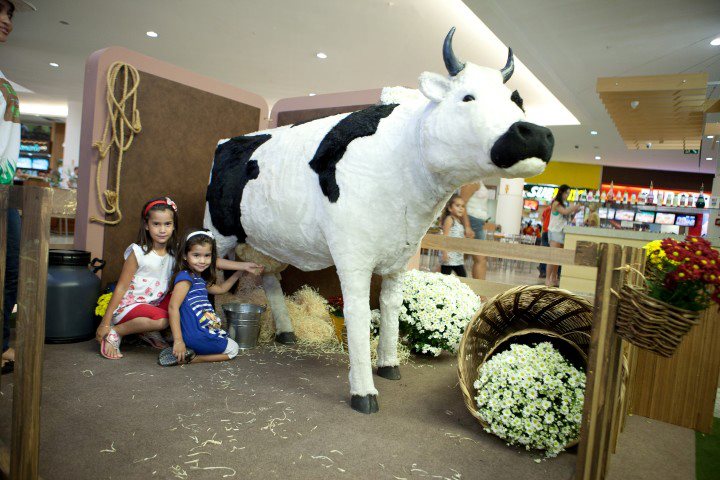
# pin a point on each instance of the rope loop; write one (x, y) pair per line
(119, 132)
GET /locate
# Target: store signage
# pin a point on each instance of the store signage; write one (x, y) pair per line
(546, 193)
(34, 147)
(664, 194)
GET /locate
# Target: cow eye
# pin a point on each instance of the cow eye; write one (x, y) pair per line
(468, 98)
(517, 99)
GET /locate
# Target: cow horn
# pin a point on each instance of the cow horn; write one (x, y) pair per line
(509, 67)
(453, 65)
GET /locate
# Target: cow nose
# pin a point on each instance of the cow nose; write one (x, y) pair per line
(521, 141)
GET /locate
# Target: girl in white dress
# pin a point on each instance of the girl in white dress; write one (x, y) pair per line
(453, 226)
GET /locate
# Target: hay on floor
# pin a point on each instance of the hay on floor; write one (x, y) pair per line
(309, 315)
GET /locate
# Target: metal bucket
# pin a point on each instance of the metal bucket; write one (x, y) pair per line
(243, 323)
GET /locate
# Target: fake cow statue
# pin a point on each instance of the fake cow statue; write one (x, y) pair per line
(359, 190)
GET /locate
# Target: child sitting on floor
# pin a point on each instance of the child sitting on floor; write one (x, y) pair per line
(196, 330)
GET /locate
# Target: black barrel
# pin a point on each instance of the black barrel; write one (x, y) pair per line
(72, 293)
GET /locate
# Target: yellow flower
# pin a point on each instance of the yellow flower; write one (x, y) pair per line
(102, 304)
(681, 274)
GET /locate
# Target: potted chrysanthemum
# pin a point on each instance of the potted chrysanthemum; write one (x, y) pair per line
(436, 309)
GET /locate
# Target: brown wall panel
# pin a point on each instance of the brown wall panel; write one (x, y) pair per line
(172, 156)
(660, 178)
(298, 116)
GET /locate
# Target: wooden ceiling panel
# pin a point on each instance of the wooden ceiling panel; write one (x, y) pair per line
(669, 113)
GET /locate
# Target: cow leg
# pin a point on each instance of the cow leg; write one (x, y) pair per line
(356, 296)
(283, 328)
(390, 303)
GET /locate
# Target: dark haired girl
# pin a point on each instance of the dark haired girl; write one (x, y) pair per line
(197, 333)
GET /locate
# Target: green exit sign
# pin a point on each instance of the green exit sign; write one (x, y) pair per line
(691, 152)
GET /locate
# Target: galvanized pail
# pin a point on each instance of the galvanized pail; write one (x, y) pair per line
(243, 323)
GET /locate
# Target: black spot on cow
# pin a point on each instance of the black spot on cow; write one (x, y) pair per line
(358, 124)
(232, 170)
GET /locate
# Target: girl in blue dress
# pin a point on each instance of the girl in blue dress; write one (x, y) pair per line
(197, 333)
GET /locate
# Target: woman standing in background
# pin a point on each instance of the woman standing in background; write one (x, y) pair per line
(476, 214)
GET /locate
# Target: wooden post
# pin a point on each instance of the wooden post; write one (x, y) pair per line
(34, 241)
(4, 202)
(603, 362)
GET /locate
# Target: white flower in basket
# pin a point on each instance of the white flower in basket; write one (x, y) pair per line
(435, 311)
(531, 396)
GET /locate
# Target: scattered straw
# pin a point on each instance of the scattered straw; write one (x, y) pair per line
(145, 459)
(111, 450)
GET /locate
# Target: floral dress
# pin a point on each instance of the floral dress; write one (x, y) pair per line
(150, 282)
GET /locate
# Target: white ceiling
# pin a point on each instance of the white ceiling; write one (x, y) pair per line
(268, 47)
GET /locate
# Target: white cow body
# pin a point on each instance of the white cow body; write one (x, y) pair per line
(392, 184)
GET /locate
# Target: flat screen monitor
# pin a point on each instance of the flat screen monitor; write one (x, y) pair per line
(602, 212)
(663, 218)
(685, 220)
(645, 217)
(40, 164)
(24, 162)
(530, 204)
(626, 215)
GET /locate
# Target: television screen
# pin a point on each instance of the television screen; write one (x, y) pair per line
(602, 212)
(530, 204)
(40, 164)
(663, 218)
(24, 162)
(627, 215)
(645, 217)
(685, 220)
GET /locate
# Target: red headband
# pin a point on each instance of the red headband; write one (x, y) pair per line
(165, 201)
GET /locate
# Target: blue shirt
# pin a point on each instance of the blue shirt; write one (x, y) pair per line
(201, 329)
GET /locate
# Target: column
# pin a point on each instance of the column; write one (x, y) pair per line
(71, 152)
(510, 204)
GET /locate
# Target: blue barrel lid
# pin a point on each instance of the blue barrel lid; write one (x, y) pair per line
(69, 258)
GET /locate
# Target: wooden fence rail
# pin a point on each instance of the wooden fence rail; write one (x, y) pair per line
(36, 206)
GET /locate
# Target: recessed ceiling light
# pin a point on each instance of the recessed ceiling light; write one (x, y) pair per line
(593, 132)
(715, 42)
(311, 94)
(708, 158)
(151, 34)
(321, 55)
(709, 137)
(598, 157)
(53, 64)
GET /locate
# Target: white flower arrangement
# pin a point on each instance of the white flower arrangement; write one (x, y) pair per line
(531, 396)
(435, 311)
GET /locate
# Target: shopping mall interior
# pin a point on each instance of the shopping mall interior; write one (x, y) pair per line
(463, 179)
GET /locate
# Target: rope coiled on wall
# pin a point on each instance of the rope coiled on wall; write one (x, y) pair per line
(123, 131)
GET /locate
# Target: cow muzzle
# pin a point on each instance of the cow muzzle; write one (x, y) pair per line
(523, 140)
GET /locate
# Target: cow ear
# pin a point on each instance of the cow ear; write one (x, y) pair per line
(434, 86)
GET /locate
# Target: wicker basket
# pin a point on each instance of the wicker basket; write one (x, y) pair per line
(650, 323)
(559, 314)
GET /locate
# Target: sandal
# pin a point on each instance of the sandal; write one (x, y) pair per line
(113, 339)
(154, 339)
(168, 359)
(9, 367)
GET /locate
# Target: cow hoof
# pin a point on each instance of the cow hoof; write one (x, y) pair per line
(391, 373)
(364, 403)
(286, 338)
